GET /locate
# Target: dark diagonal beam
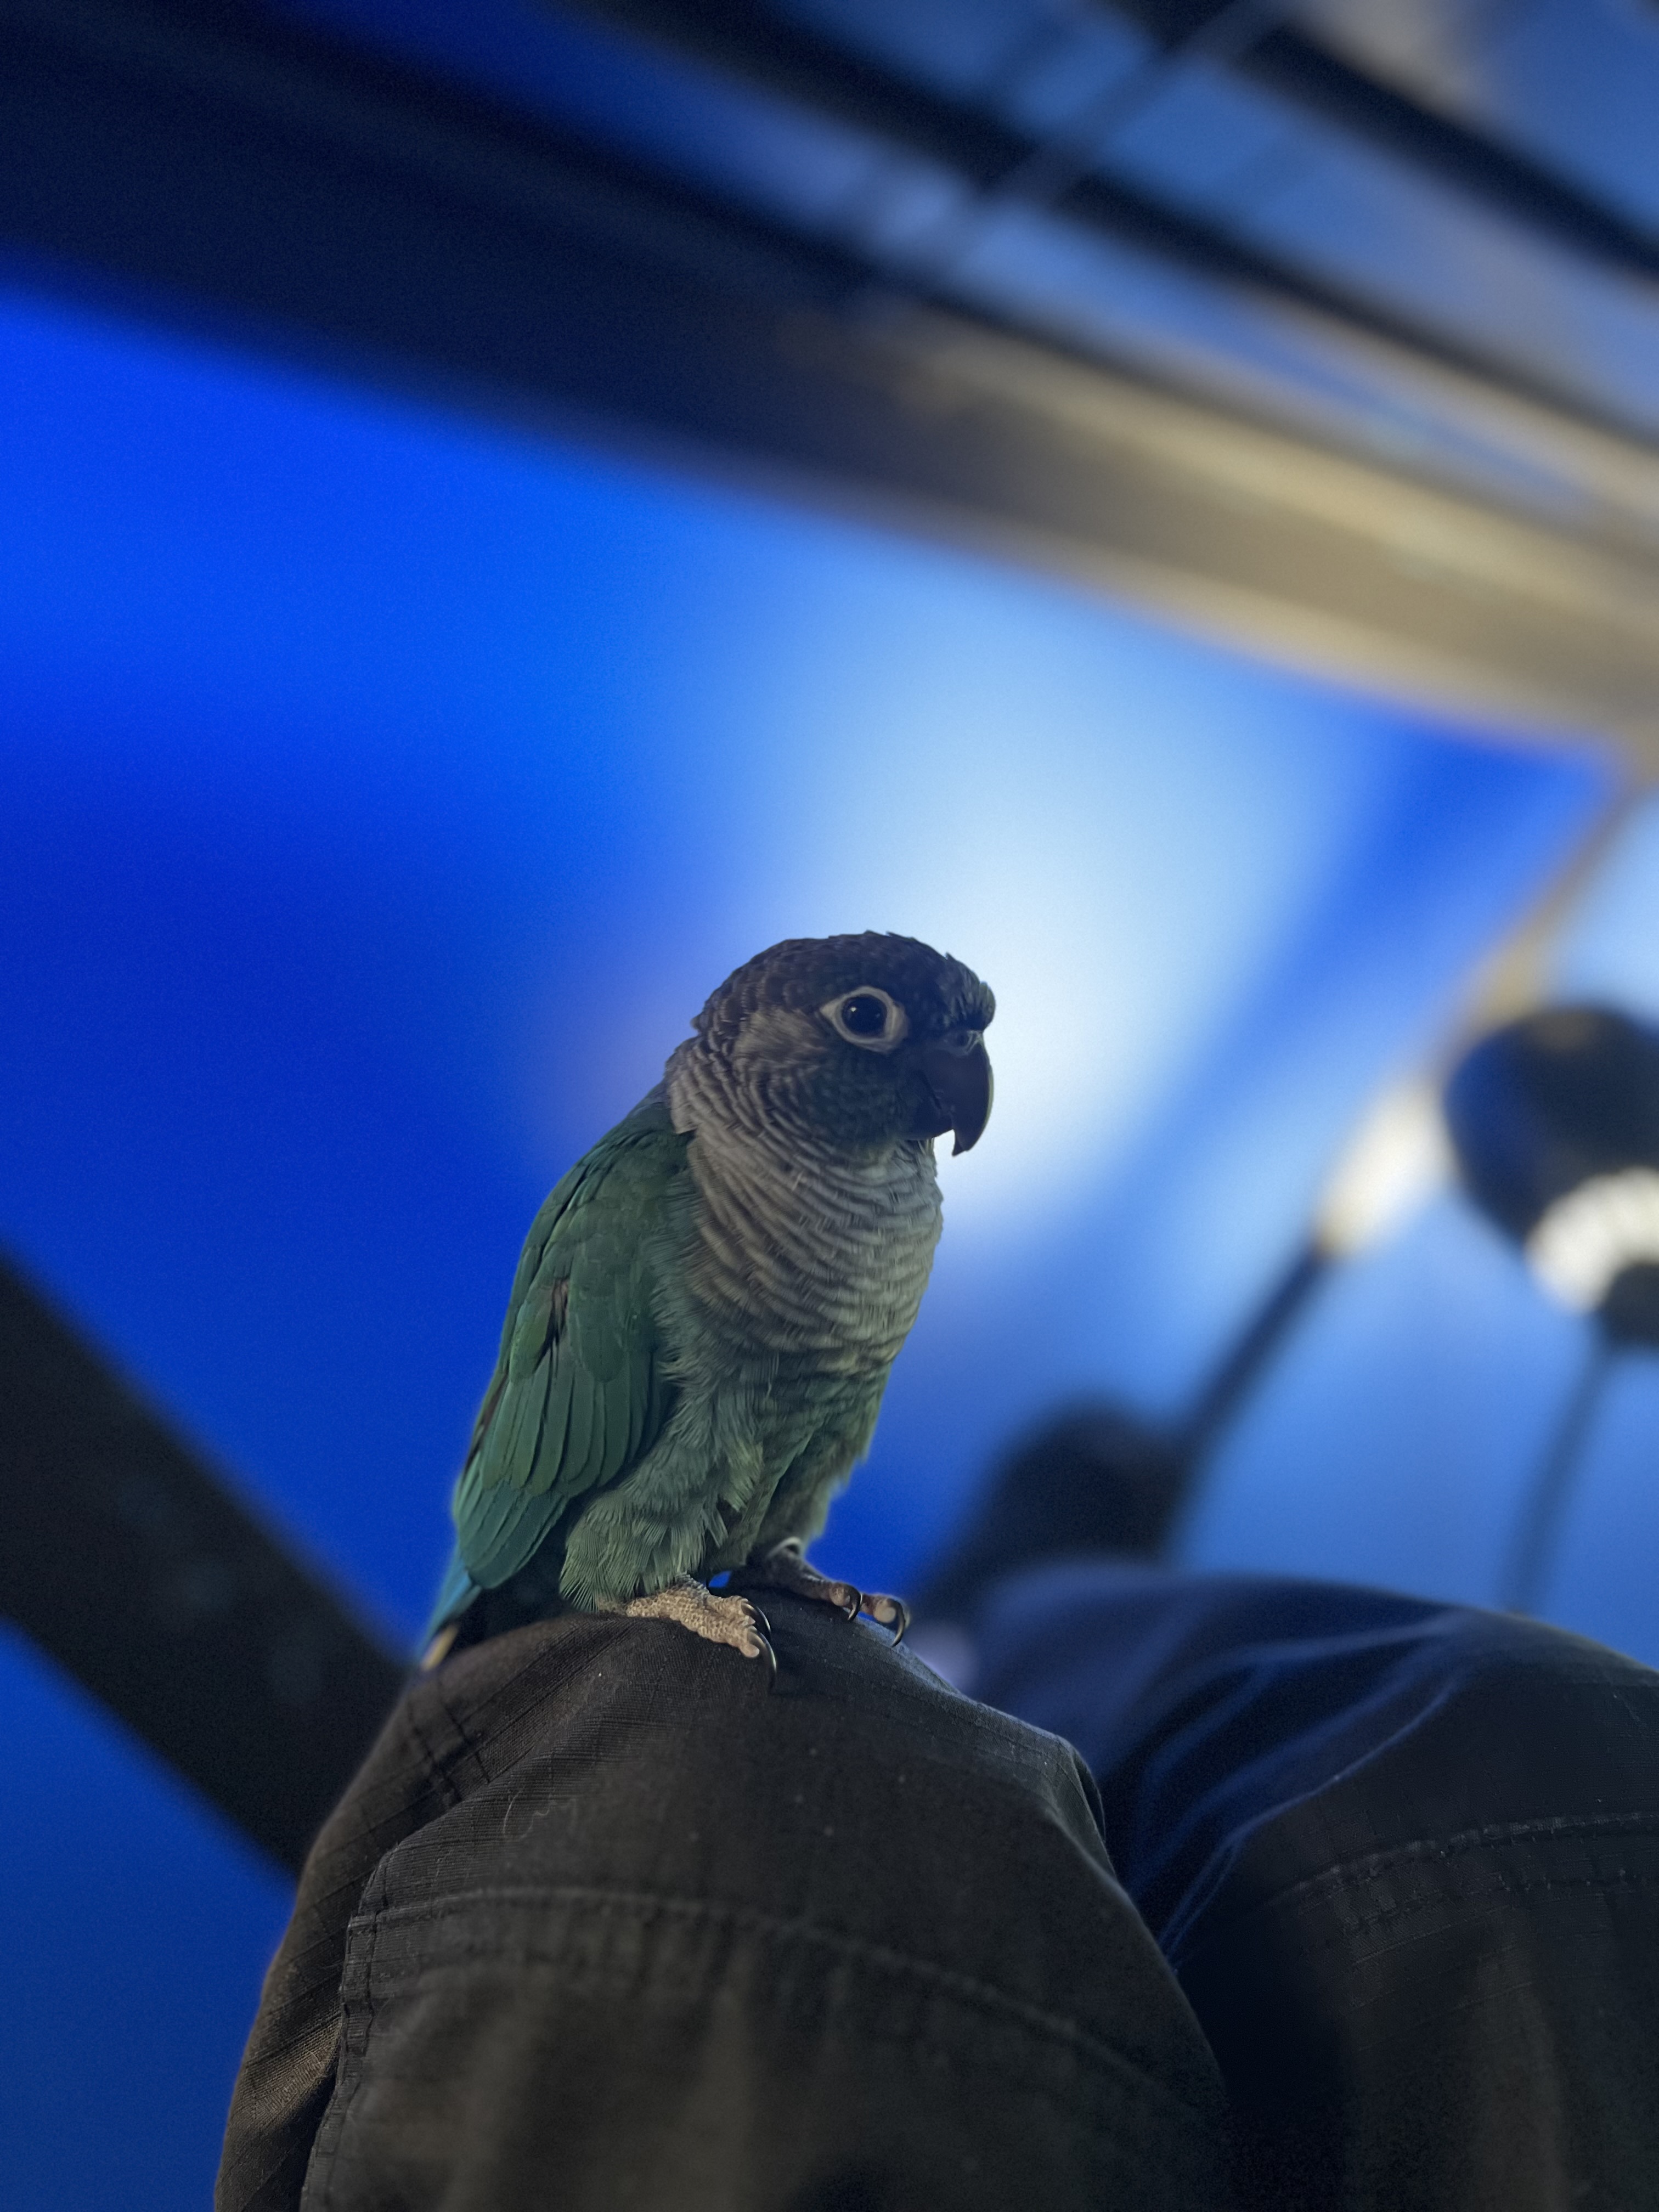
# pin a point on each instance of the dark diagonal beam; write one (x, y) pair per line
(126, 1562)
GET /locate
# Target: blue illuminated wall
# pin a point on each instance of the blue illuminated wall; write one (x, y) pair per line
(380, 792)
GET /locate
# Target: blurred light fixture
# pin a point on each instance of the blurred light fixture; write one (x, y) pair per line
(1587, 1240)
(1554, 1120)
(1553, 1124)
(1397, 1158)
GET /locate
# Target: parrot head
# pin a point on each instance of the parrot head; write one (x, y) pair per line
(865, 1041)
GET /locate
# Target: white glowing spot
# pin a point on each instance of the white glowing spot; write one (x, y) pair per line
(1592, 1235)
(1397, 1158)
(1117, 893)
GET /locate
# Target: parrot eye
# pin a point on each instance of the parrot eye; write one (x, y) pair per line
(867, 1017)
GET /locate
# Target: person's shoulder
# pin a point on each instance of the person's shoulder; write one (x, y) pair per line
(845, 1699)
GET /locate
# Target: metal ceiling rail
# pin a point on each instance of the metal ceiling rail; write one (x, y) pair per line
(968, 137)
(300, 196)
(938, 198)
(1573, 85)
(738, 129)
(1304, 67)
(1132, 285)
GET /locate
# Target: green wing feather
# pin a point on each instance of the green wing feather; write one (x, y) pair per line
(578, 1395)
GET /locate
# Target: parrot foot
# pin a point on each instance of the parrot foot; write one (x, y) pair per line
(717, 1619)
(784, 1567)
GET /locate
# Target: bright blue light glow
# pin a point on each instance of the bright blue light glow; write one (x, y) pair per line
(461, 668)
(1389, 1450)
(385, 792)
(381, 792)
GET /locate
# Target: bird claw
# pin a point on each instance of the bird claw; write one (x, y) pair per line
(717, 1617)
(888, 1612)
(763, 1638)
(785, 1567)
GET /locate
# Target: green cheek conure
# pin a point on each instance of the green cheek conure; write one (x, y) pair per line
(708, 1306)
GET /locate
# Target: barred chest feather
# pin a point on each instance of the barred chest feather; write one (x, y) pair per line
(801, 1250)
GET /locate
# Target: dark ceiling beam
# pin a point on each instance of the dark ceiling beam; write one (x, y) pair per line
(745, 40)
(753, 37)
(127, 1562)
(303, 196)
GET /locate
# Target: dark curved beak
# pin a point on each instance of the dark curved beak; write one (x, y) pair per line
(958, 1073)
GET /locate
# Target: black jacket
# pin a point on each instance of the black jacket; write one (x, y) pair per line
(602, 1925)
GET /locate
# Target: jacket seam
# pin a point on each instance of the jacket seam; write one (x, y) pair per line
(647, 1904)
(345, 2055)
(1443, 1850)
(1347, 1874)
